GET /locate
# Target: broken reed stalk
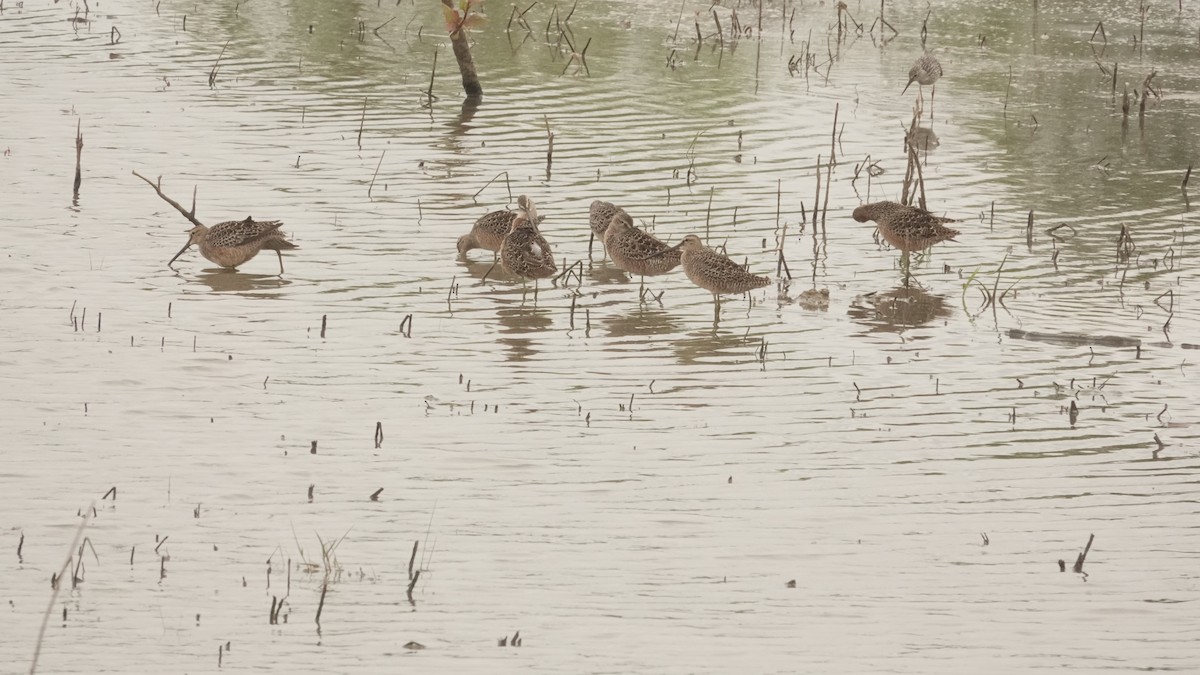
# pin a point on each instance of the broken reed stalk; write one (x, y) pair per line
(549, 146)
(720, 36)
(363, 119)
(412, 558)
(708, 213)
(378, 435)
(462, 51)
(1083, 556)
(191, 216)
(413, 584)
(37, 646)
(373, 176)
(817, 197)
(679, 21)
(912, 169)
(321, 604)
(1186, 176)
(825, 204)
(833, 135)
(493, 180)
(212, 74)
(432, 73)
(1142, 7)
(1008, 89)
(78, 156)
(780, 264)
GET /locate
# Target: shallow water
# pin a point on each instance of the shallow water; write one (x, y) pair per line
(629, 485)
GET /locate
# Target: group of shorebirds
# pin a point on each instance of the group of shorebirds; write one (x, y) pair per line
(523, 252)
(519, 247)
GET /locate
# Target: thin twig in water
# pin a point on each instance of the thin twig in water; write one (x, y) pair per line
(37, 647)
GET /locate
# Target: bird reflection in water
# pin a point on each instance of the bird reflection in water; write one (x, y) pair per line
(476, 269)
(642, 320)
(924, 139)
(717, 346)
(898, 309)
(223, 280)
(516, 325)
(607, 273)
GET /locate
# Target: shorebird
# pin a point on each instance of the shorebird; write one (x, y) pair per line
(636, 251)
(907, 228)
(925, 71)
(234, 242)
(490, 230)
(714, 272)
(600, 214)
(524, 252)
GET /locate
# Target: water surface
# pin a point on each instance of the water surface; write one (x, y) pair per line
(628, 484)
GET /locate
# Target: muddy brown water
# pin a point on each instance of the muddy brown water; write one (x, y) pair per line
(631, 487)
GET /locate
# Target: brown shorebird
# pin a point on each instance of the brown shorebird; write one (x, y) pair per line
(714, 272)
(234, 242)
(490, 230)
(907, 228)
(524, 252)
(637, 251)
(600, 214)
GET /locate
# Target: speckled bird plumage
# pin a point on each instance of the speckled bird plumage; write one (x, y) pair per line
(525, 252)
(600, 214)
(925, 70)
(714, 272)
(490, 229)
(635, 250)
(234, 242)
(907, 228)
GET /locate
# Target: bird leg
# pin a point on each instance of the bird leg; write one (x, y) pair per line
(278, 253)
(716, 310)
(489, 271)
(932, 92)
(905, 263)
(590, 240)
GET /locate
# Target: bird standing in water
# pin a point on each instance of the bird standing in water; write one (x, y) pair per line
(525, 252)
(926, 70)
(906, 228)
(233, 243)
(636, 251)
(600, 214)
(490, 229)
(714, 272)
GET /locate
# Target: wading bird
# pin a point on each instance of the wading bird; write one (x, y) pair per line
(234, 242)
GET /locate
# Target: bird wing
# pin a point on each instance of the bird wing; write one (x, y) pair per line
(496, 223)
(533, 244)
(238, 232)
(639, 244)
(938, 219)
(721, 265)
(600, 214)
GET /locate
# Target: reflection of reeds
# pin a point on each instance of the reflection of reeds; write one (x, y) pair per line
(991, 296)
